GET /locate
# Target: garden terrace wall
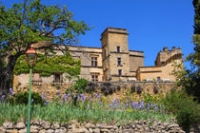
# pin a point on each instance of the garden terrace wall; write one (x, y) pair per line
(147, 86)
(75, 127)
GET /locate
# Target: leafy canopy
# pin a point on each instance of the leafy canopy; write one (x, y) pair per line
(47, 66)
(32, 22)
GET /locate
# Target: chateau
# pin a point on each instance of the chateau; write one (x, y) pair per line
(115, 62)
(112, 62)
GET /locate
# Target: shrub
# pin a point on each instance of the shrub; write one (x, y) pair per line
(22, 98)
(91, 87)
(107, 88)
(183, 106)
(155, 90)
(80, 85)
(69, 90)
(133, 88)
(139, 89)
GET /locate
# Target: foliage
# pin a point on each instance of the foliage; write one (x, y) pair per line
(22, 98)
(30, 22)
(80, 85)
(48, 27)
(92, 108)
(133, 88)
(107, 88)
(189, 79)
(188, 114)
(155, 90)
(139, 89)
(47, 66)
(91, 87)
(148, 98)
(183, 106)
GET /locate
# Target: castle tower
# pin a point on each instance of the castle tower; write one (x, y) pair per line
(166, 59)
(115, 53)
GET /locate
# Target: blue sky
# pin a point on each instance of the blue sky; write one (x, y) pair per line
(152, 24)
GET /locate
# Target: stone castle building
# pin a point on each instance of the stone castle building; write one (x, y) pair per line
(112, 62)
(115, 62)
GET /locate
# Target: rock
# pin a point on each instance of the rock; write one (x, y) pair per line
(20, 125)
(90, 130)
(22, 130)
(50, 131)
(11, 131)
(46, 124)
(8, 125)
(96, 130)
(55, 125)
(32, 130)
(105, 130)
(89, 125)
(42, 131)
(2, 130)
(81, 130)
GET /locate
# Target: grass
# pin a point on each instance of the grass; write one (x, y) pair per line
(95, 110)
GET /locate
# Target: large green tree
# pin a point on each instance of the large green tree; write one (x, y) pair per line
(32, 22)
(189, 79)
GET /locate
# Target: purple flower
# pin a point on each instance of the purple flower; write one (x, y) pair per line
(97, 95)
(43, 96)
(46, 102)
(64, 97)
(113, 104)
(3, 97)
(118, 102)
(155, 107)
(148, 106)
(141, 105)
(11, 91)
(134, 105)
(58, 92)
(82, 97)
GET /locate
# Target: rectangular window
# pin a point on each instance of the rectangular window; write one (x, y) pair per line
(95, 77)
(94, 61)
(119, 61)
(57, 79)
(118, 49)
(158, 78)
(119, 72)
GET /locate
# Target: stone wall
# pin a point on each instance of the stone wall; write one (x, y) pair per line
(147, 87)
(142, 126)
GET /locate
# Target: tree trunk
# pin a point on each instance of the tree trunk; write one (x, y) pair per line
(6, 75)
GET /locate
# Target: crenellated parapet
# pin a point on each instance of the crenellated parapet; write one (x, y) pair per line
(166, 56)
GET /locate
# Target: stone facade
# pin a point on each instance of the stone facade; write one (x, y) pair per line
(115, 62)
(164, 65)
